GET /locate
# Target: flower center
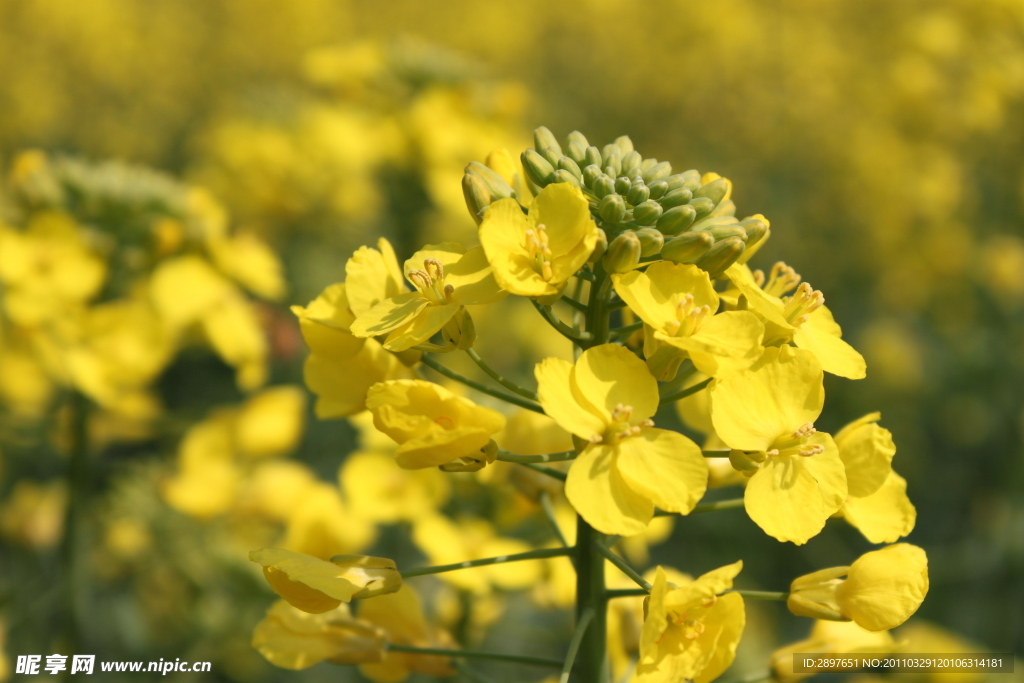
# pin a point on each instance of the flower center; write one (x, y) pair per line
(621, 426)
(689, 317)
(429, 282)
(540, 252)
(796, 443)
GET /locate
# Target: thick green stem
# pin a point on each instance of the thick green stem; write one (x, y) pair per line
(75, 520)
(493, 374)
(541, 554)
(546, 457)
(574, 645)
(474, 654)
(432, 363)
(591, 665)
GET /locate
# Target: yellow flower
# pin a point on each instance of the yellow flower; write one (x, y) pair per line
(446, 278)
(882, 589)
(292, 639)
(322, 526)
(315, 586)
(691, 631)
(33, 513)
(885, 515)
(271, 422)
(401, 617)
(432, 425)
(381, 491)
(766, 415)
(535, 255)
(829, 637)
(608, 398)
(207, 478)
(801, 317)
(678, 303)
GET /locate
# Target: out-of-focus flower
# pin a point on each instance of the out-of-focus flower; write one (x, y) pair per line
(33, 513)
(293, 639)
(830, 637)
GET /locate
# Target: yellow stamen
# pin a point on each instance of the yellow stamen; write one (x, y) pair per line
(805, 300)
(781, 280)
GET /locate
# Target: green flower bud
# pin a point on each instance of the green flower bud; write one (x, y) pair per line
(651, 241)
(703, 206)
(689, 179)
(576, 152)
(624, 144)
(657, 172)
(603, 186)
(638, 193)
(552, 155)
(676, 219)
(724, 232)
(756, 230)
(721, 256)
(567, 164)
(688, 247)
(623, 253)
(563, 176)
(610, 171)
(477, 196)
(612, 208)
(632, 160)
(647, 164)
(537, 167)
(715, 190)
(590, 174)
(578, 138)
(600, 248)
(622, 184)
(497, 186)
(612, 156)
(676, 197)
(542, 137)
(725, 208)
(658, 189)
(593, 156)
(647, 213)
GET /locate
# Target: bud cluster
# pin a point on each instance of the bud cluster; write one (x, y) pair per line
(643, 209)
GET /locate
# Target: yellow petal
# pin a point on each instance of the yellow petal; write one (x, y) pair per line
(441, 447)
(292, 639)
(609, 375)
(427, 322)
(867, 451)
(775, 397)
(885, 587)
(560, 402)
(372, 275)
(341, 384)
(654, 294)
(389, 314)
(325, 323)
(600, 496)
(665, 467)
(473, 279)
(767, 306)
(271, 422)
(724, 624)
(502, 236)
(724, 344)
(564, 212)
(884, 516)
(186, 287)
(822, 336)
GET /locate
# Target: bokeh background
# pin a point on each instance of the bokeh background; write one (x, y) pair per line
(256, 143)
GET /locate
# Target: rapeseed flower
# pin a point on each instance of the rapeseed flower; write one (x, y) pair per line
(292, 639)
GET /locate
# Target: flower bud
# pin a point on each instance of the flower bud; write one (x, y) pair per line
(688, 179)
(475, 462)
(630, 161)
(715, 190)
(651, 241)
(676, 197)
(563, 176)
(612, 156)
(460, 330)
(647, 213)
(687, 248)
(658, 171)
(542, 138)
(567, 164)
(638, 193)
(552, 155)
(600, 248)
(578, 138)
(497, 186)
(591, 173)
(724, 232)
(477, 197)
(603, 186)
(537, 168)
(622, 184)
(624, 144)
(623, 253)
(721, 256)
(576, 152)
(658, 189)
(593, 156)
(676, 219)
(756, 229)
(612, 208)
(703, 206)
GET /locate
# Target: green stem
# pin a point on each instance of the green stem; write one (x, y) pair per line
(546, 457)
(574, 303)
(566, 330)
(627, 593)
(550, 471)
(597, 319)
(432, 363)
(493, 374)
(623, 566)
(541, 554)
(762, 595)
(76, 517)
(730, 504)
(549, 512)
(474, 654)
(625, 331)
(574, 645)
(591, 666)
(683, 393)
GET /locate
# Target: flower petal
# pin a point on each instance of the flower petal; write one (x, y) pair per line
(822, 336)
(867, 451)
(473, 279)
(600, 496)
(885, 587)
(654, 294)
(555, 391)
(371, 276)
(609, 375)
(884, 516)
(425, 325)
(502, 236)
(389, 314)
(665, 467)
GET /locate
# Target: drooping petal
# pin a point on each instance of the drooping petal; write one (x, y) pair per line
(773, 398)
(822, 336)
(599, 494)
(665, 467)
(555, 391)
(389, 314)
(885, 587)
(325, 323)
(341, 383)
(884, 516)
(609, 375)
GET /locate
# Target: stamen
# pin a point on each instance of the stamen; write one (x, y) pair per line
(434, 268)
(622, 413)
(805, 300)
(449, 292)
(807, 450)
(782, 280)
(804, 431)
(420, 279)
(693, 629)
(759, 278)
(596, 438)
